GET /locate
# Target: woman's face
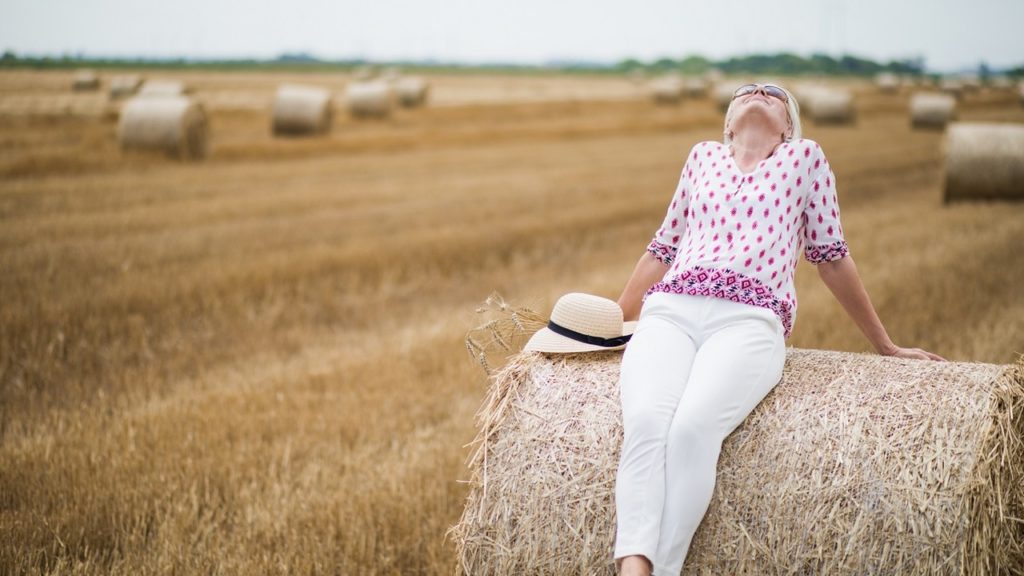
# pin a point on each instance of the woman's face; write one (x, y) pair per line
(759, 102)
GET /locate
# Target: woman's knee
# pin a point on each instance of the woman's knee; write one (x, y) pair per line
(692, 431)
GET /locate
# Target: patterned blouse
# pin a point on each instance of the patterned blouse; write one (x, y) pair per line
(738, 236)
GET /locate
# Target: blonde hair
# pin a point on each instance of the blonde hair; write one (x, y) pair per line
(792, 110)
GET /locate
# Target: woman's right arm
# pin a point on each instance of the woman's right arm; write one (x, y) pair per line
(648, 271)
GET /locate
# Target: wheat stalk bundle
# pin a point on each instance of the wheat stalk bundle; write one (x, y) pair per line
(301, 110)
(175, 125)
(984, 160)
(931, 110)
(853, 464)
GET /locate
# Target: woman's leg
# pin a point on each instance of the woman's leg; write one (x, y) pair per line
(736, 366)
(654, 371)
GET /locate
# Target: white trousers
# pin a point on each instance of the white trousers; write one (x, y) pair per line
(694, 369)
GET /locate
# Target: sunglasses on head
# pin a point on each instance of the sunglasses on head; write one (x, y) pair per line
(769, 89)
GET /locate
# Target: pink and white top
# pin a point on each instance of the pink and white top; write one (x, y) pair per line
(738, 236)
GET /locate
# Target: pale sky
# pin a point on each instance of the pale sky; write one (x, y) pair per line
(949, 34)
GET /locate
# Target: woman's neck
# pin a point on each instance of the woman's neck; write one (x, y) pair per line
(752, 144)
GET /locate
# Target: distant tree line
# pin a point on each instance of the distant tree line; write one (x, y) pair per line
(782, 64)
(758, 64)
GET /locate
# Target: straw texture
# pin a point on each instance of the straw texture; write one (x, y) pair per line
(175, 125)
(854, 464)
(931, 110)
(984, 160)
(301, 110)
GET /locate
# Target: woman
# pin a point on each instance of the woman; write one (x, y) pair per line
(720, 302)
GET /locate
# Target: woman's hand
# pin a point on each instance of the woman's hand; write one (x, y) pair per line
(913, 354)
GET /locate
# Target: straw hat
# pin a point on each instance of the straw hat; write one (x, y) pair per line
(582, 323)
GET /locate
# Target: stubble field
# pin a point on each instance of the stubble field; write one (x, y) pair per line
(255, 364)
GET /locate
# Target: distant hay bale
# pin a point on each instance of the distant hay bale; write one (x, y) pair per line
(984, 160)
(124, 86)
(161, 88)
(887, 82)
(667, 89)
(1000, 82)
(952, 86)
(931, 110)
(723, 94)
(831, 106)
(369, 99)
(853, 464)
(637, 76)
(695, 87)
(301, 110)
(175, 125)
(412, 91)
(85, 81)
(364, 73)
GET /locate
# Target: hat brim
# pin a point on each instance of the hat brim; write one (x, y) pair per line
(546, 340)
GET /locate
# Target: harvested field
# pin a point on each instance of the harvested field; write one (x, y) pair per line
(256, 365)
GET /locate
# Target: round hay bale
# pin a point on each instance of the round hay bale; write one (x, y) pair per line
(161, 88)
(695, 87)
(301, 110)
(984, 160)
(85, 81)
(412, 92)
(931, 110)
(175, 125)
(723, 94)
(124, 86)
(667, 89)
(831, 106)
(887, 82)
(853, 464)
(369, 99)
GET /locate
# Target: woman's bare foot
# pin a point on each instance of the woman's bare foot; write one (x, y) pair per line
(635, 566)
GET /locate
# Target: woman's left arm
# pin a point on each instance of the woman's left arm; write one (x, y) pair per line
(842, 279)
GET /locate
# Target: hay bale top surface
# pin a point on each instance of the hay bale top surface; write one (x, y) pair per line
(854, 464)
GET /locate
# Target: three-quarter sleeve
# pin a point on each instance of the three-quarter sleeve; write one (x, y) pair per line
(666, 240)
(822, 231)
